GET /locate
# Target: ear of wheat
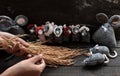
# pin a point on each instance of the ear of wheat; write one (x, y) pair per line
(53, 55)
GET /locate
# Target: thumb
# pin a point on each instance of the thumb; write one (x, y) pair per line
(36, 58)
(1, 38)
(23, 42)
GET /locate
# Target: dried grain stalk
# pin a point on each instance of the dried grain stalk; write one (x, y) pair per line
(53, 55)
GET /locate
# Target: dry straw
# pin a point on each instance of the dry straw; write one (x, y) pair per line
(53, 55)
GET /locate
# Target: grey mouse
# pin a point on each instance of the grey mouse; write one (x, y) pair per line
(102, 50)
(95, 59)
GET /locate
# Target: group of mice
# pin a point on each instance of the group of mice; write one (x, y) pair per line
(104, 36)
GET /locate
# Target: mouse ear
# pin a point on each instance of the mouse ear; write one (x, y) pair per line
(115, 20)
(96, 45)
(102, 18)
(21, 20)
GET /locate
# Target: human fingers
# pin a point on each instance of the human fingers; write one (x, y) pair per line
(1, 42)
(13, 50)
(29, 56)
(41, 66)
(1, 38)
(19, 50)
(23, 42)
(36, 59)
(8, 35)
(5, 34)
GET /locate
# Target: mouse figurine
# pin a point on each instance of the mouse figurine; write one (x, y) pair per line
(66, 33)
(58, 31)
(102, 50)
(105, 34)
(40, 33)
(96, 59)
(85, 33)
(75, 33)
(115, 23)
(19, 22)
(31, 28)
(7, 25)
(48, 31)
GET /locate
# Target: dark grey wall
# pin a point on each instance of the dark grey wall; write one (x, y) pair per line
(60, 11)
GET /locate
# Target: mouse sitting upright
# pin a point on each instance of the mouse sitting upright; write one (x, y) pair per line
(85, 33)
(75, 33)
(66, 33)
(105, 34)
(48, 31)
(58, 31)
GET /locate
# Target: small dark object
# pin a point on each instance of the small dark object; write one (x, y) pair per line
(66, 33)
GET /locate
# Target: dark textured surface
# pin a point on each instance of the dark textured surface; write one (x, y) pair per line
(78, 69)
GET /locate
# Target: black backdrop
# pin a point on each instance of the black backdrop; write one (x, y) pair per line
(60, 11)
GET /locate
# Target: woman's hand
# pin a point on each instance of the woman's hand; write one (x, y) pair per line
(8, 36)
(15, 50)
(30, 67)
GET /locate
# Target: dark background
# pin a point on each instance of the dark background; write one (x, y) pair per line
(59, 11)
